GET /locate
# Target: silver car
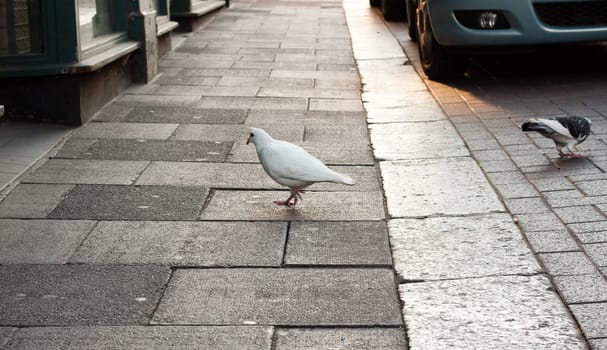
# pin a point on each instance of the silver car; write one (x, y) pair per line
(449, 31)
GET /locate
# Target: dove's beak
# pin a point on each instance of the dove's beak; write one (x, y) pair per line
(248, 140)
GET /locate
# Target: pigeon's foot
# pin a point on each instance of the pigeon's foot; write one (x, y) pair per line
(285, 203)
(572, 156)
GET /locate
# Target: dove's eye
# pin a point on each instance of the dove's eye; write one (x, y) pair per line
(251, 134)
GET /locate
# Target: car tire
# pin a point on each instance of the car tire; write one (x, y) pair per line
(436, 61)
(411, 6)
(393, 10)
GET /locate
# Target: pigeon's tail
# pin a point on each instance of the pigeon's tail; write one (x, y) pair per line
(536, 125)
(340, 178)
(346, 180)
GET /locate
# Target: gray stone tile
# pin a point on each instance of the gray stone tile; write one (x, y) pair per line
(567, 263)
(297, 297)
(116, 149)
(202, 90)
(593, 188)
(137, 131)
(313, 74)
(540, 222)
(185, 80)
(592, 237)
(156, 100)
(552, 241)
(533, 205)
(397, 141)
(498, 166)
(571, 215)
(582, 289)
(6, 334)
(87, 172)
(36, 295)
(598, 344)
(40, 241)
(319, 206)
(184, 115)
(319, 118)
(436, 187)
(310, 93)
(237, 133)
(32, 200)
(597, 253)
(143, 337)
(508, 177)
(269, 103)
(592, 318)
(506, 312)
(522, 189)
(108, 202)
(552, 184)
(184, 243)
(251, 176)
(459, 247)
(266, 82)
(589, 226)
(340, 338)
(112, 113)
(336, 104)
(338, 243)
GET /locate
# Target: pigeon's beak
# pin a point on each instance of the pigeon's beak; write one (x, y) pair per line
(248, 140)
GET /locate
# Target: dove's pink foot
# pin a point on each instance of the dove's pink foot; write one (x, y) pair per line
(572, 156)
(295, 195)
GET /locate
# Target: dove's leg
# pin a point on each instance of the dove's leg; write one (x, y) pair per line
(295, 195)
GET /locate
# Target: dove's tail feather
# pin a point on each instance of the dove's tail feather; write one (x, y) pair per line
(346, 180)
(535, 125)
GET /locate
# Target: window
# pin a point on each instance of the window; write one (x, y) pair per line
(20, 27)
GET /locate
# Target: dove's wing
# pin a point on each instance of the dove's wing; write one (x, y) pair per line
(577, 127)
(291, 165)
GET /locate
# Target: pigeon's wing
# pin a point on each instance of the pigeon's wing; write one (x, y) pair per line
(288, 164)
(556, 126)
(578, 127)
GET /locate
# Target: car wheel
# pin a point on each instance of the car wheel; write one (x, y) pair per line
(436, 61)
(393, 10)
(374, 3)
(412, 18)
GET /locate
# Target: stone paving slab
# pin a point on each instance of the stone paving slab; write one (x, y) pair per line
(6, 333)
(592, 318)
(184, 243)
(459, 247)
(340, 339)
(454, 186)
(338, 243)
(315, 206)
(252, 176)
(552, 241)
(582, 288)
(36, 295)
(159, 101)
(297, 297)
(320, 118)
(137, 131)
(68, 171)
(293, 103)
(170, 150)
(40, 241)
(567, 263)
(237, 133)
(398, 141)
(513, 312)
(29, 201)
(109, 202)
(184, 115)
(143, 337)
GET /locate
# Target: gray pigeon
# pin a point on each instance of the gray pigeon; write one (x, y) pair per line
(566, 132)
(291, 166)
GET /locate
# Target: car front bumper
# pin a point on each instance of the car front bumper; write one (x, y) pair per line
(526, 28)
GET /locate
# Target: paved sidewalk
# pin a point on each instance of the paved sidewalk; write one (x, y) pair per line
(153, 226)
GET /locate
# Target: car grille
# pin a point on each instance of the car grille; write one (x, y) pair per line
(573, 13)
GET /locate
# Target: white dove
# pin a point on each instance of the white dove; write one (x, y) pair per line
(566, 132)
(291, 166)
